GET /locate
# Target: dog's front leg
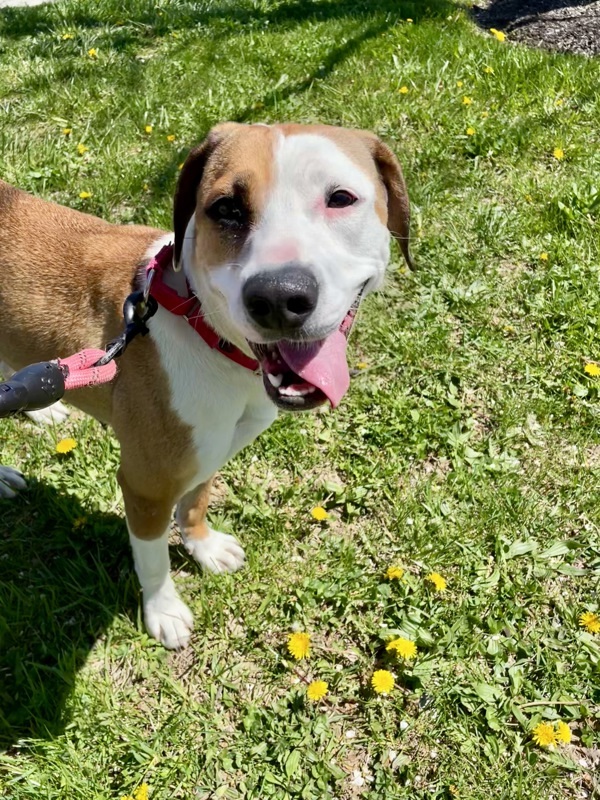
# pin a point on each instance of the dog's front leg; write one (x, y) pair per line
(215, 551)
(167, 617)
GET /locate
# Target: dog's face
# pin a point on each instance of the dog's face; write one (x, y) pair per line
(281, 230)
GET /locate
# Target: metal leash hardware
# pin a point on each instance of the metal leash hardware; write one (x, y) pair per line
(137, 310)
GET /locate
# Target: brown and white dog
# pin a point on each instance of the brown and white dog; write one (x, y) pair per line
(278, 230)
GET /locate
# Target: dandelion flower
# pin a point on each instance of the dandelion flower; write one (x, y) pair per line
(529, 198)
(67, 131)
(470, 131)
(85, 195)
(460, 84)
(67, 36)
(299, 645)
(563, 732)
(362, 365)
(409, 20)
(141, 793)
(148, 128)
(81, 149)
(592, 369)
(543, 256)
(498, 34)
(171, 137)
(467, 100)
(488, 70)
(92, 52)
(66, 445)
(558, 153)
(436, 579)
(403, 648)
(382, 681)
(394, 573)
(544, 735)
(589, 620)
(317, 690)
(319, 513)
(404, 90)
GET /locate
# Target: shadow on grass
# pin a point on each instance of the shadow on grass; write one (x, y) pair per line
(61, 584)
(151, 20)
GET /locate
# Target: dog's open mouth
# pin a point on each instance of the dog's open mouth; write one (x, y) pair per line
(299, 376)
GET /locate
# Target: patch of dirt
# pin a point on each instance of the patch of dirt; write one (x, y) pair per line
(567, 26)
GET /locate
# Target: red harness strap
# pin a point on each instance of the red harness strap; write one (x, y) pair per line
(190, 308)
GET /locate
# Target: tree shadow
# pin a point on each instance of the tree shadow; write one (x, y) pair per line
(512, 14)
(64, 574)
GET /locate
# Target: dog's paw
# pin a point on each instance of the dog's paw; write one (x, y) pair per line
(53, 415)
(11, 482)
(167, 618)
(217, 552)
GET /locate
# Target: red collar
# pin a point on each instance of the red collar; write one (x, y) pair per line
(189, 307)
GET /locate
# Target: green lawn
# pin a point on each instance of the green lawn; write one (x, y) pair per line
(469, 444)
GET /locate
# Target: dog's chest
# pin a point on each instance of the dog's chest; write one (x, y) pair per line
(224, 404)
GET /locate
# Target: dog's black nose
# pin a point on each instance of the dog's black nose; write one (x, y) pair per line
(281, 299)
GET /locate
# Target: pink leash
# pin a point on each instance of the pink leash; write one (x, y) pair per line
(81, 371)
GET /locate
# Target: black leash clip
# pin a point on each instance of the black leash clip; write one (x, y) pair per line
(137, 310)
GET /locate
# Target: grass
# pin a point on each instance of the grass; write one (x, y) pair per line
(468, 446)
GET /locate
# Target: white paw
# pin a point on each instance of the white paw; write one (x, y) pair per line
(11, 482)
(218, 552)
(167, 618)
(53, 415)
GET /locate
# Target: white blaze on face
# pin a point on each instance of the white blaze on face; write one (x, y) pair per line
(344, 248)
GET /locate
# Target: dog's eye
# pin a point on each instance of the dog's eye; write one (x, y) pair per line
(229, 212)
(341, 199)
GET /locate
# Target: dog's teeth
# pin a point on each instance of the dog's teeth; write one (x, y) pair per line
(275, 380)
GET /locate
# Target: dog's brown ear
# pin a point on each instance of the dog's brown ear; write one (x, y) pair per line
(389, 169)
(190, 177)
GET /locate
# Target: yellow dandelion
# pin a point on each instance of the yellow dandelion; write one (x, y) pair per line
(67, 35)
(141, 793)
(404, 90)
(92, 52)
(436, 579)
(171, 137)
(382, 681)
(470, 131)
(85, 195)
(544, 735)
(394, 573)
(488, 70)
(529, 198)
(467, 101)
(592, 369)
(403, 648)
(559, 101)
(319, 513)
(460, 84)
(317, 690)
(558, 153)
(362, 365)
(499, 35)
(563, 732)
(66, 445)
(148, 128)
(126, 797)
(590, 621)
(543, 256)
(299, 645)
(81, 149)
(67, 131)
(409, 20)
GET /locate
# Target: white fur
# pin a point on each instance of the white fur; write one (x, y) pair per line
(226, 407)
(11, 482)
(343, 249)
(167, 617)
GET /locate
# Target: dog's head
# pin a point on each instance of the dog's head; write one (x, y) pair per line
(281, 229)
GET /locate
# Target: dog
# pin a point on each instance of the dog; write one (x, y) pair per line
(279, 230)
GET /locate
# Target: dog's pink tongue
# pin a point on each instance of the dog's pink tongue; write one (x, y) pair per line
(323, 364)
